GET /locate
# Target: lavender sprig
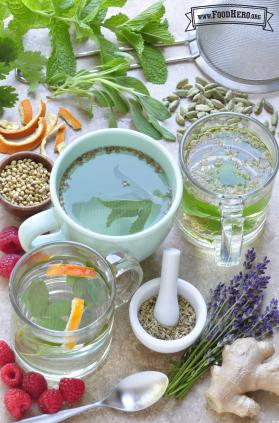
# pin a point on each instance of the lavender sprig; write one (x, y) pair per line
(235, 310)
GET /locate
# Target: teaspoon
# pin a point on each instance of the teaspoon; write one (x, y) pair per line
(133, 393)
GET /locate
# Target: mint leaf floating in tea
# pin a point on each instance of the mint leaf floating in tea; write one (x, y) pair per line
(126, 208)
(35, 298)
(56, 315)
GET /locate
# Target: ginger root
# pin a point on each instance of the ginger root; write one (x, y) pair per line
(243, 371)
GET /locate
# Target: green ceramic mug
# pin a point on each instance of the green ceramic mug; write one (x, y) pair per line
(139, 245)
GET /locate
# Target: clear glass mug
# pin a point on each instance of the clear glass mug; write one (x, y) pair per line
(46, 350)
(217, 221)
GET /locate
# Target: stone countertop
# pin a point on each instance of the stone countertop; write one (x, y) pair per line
(127, 354)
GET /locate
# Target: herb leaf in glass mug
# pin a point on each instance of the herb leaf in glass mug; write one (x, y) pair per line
(35, 298)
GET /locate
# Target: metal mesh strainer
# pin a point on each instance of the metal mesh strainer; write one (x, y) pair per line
(240, 56)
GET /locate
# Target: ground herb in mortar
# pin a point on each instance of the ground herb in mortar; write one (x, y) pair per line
(186, 321)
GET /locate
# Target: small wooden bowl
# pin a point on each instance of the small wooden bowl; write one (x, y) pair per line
(25, 211)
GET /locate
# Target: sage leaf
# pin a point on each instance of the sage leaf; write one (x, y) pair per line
(166, 134)
(131, 82)
(141, 123)
(154, 107)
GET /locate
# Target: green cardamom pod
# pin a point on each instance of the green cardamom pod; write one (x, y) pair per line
(173, 106)
(202, 108)
(171, 97)
(229, 95)
(217, 103)
(258, 107)
(182, 83)
(268, 107)
(182, 93)
(200, 87)
(192, 114)
(201, 81)
(210, 86)
(274, 119)
(240, 94)
(179, 119)
(192, 92)
(183, 110)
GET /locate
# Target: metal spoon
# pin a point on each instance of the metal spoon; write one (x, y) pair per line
(133, 393)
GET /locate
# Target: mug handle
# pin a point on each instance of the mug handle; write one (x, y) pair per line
(228, 250)
(128, 274)
(31, 230)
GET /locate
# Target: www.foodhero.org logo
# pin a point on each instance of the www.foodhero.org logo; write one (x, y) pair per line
(229, 14)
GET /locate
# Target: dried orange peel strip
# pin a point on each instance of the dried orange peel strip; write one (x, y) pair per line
(29, 128)
(69, 118)
(52, 120)
(25, 111)
(74, 319)
(59, 140)
(30, 143)
(71, 270)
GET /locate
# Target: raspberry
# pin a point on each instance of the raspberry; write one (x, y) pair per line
(50, 401)
(11, 375)
(6, 353)
(9, 242)
(7, 263)
(34, 384)
(17, 402)
(71, 389)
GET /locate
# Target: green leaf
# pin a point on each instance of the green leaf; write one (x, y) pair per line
(112, 119)
(166, 134)
(56, 315)
(62, 58)
(63, 5)
(4, 70)
(8, 50)
(102, 98)
(120, 104)
(31, 64)
(144, 213)
(35, 298)
(8, 97)
(156, 32)
(107, 49)
(129, 208)
(131, 82)
(132, 38)
(141, 123)
(4, 11)
(152, 14)
(25, 16)
(154, 107)
(115, 21)
(39, 5)
(153, 65)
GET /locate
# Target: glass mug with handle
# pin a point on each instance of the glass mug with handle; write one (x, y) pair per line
(228, 162)
(48, 293)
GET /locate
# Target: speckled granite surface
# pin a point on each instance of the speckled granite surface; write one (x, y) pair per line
(127, 354)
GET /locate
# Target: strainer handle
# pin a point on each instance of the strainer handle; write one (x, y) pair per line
(228, 248)
(128, 276)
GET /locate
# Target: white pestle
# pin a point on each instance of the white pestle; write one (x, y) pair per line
(166, 310)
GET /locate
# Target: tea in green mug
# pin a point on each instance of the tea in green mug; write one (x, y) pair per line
(115, 191)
